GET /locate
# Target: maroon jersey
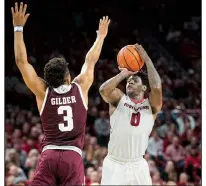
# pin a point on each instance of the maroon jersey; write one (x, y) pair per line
(63, 116)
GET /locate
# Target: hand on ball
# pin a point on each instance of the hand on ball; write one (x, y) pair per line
(143, 54)
(126, 73)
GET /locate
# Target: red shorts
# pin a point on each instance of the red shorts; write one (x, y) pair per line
(59, 167)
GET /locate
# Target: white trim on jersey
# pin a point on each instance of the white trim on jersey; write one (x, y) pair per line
(141, 101)
(44, 102)
(63, 89)
(55, 147)
(81, 93)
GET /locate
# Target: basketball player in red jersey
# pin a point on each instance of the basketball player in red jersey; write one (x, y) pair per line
(62, 105)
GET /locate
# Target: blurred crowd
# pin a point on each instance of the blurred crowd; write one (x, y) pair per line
(174, 149)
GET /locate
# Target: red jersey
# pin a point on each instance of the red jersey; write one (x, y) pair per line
(63, 116)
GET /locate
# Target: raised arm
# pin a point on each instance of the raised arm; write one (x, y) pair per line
(33, 82)
(109, 91)
(86, 77)
(155, 96)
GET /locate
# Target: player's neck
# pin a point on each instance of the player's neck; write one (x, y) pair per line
(137, 98)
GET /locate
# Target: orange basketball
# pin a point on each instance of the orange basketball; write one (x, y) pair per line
(129, 58)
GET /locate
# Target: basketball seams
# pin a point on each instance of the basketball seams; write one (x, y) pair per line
(134, 60)
(118, 60)
(125, 59)
(134, 57)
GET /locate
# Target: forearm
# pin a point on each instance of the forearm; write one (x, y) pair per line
(94, 52)
(153, 76)
(110, 85)
(20, 48)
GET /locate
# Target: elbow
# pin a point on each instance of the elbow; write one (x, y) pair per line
(20, 57)
(102, 90)
(18, 61)
(92, 57)
(158, 106)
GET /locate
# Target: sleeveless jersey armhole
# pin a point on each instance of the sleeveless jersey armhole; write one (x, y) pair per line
(150, 108)
(148, 102)
(44, 102)
(81, 94)
(121, 100)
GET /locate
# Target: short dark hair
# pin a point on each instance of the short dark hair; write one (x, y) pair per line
(143, 76)
(55, 72)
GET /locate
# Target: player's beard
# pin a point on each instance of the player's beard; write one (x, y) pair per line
(131, 93)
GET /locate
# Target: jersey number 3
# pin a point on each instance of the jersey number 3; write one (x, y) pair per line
(68, 118)
(135, 119)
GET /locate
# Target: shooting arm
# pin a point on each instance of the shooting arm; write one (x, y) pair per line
(155, 96)
(155, 85)
(108, 90)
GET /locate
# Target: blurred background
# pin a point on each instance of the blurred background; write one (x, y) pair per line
(170, 31)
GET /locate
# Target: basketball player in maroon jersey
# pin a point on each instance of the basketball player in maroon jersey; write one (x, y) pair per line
(62, 105)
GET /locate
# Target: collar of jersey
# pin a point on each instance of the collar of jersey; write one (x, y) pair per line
(136, 101)
(62, 89)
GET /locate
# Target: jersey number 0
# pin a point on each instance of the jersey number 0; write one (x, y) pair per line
(68, 118)
(135, 119)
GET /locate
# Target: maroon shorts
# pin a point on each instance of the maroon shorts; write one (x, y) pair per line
(59, 168)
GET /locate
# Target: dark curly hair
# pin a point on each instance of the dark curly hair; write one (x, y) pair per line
(143, 76)
(55, 72)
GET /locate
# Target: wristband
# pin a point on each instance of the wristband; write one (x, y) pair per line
(18, 29)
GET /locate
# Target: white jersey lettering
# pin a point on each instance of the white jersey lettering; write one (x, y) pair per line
(63, 100)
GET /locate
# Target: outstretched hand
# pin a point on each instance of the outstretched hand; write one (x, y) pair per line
(103, 27)
(19, 14)
(126, 73)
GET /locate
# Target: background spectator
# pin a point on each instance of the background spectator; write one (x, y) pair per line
(155, 145)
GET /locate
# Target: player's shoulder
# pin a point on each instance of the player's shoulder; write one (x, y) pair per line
(81, 93)
(124, 98)
(118, 106)
(77, 86)
(146, 101)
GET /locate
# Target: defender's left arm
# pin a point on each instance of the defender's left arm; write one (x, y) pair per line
(155, 96)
